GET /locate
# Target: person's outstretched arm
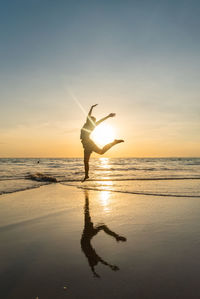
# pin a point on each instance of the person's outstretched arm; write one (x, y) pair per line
(101, 120)
(90, 112)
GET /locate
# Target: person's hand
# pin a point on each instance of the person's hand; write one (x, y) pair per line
(94, 105)
(111, 114)
(120, 238)
(114, 268)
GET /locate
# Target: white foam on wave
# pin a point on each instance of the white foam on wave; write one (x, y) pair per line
(41, 177)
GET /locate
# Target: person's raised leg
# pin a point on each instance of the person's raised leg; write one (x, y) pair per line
(109, 145)
(101, 151)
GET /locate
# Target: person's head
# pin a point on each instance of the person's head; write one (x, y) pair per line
(91, 119)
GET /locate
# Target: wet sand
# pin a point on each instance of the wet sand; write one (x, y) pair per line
(62, 242)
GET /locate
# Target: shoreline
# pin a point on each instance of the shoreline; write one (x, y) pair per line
(28, 184)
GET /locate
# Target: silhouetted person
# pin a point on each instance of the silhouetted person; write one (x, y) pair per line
(89, 232)
(88, 144)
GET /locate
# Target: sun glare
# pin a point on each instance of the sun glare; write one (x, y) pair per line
(103, 134)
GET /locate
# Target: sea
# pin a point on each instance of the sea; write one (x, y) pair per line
(178, 177)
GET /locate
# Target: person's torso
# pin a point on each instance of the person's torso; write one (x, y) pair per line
(87, 130)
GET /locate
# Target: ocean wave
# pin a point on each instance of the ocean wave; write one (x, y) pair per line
(193, 164)
(73, 182)
(115, 169)
(19, 189)
(41, 177)
(126, 169)
(11, 178)
(141, 193)
(114, 178)
(131, 179)
(12, 186)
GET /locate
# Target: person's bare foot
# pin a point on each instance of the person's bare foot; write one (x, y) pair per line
(118, 141)
(120, 238)
(114, 268)
(85, 178)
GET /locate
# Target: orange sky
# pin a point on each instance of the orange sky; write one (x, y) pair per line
(48, 141)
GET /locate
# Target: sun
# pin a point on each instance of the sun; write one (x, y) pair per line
(103, 134)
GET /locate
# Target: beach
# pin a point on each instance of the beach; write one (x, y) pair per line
(60, 241)
(100, 150)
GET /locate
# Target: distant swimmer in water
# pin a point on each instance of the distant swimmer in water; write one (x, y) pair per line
(88, 144)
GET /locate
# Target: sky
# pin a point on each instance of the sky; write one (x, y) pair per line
(139, 59)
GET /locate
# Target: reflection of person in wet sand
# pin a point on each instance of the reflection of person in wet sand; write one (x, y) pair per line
(89, 145)
(88, 233)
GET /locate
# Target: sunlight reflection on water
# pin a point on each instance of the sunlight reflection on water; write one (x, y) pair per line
(104, 162)
(104, 200)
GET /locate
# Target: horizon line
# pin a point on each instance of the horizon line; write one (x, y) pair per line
(128, 157)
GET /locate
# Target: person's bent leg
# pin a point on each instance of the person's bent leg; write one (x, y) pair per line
(101, 151)
(109, 145)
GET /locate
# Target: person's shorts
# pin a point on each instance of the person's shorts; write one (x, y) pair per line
(90, 146)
